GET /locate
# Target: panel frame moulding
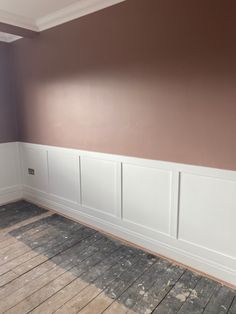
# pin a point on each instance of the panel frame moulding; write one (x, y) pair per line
(101, 213)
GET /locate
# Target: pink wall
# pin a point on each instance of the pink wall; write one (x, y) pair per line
(8, 130)
(153, 79)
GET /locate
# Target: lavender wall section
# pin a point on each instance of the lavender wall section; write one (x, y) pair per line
(153, 79)
(8, 128)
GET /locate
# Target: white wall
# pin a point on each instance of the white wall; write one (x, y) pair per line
(184, 212)
(10, 180)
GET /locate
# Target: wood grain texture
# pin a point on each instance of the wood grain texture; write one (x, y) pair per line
(50, 264)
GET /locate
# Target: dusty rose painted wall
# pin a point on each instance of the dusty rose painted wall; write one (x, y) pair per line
(8, 130)
(153, 79)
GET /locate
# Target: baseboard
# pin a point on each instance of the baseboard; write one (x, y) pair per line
(118, 229)
(11, 194)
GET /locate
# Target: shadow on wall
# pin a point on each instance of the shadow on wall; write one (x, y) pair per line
(152, 80)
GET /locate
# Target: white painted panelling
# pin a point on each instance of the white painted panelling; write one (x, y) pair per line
(9, 165)
(207, 213)
(147, 197)
(36, 159)
(145, 203)
(63, 174)
(10, 179)
(99, 185)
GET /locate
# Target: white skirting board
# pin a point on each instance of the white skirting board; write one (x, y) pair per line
(10, 173)
(186, 213)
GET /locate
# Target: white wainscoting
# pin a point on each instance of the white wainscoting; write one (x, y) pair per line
(99, 185)
(147, 197)
(208, 205)
(63, 175)
(184, 212)
(10, 180)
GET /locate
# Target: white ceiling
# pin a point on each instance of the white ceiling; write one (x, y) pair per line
(34, 9)
(38, 15)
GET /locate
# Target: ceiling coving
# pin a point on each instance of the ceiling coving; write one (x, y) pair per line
(39, 15)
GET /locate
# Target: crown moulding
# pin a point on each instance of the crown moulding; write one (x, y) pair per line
(21, 26)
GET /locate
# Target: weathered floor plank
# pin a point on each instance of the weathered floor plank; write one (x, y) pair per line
(179, 294)
(81, 299)
(220, 301)
(18, 213)
(46, 247)
(5, 232)
(41, 242)
(84, 245)
(88, 277)
(50, 264)
(32, 300)
(116, 288)
(66, 264)
(232, 309)
(199, 297)
(159, 290)
(132, 295)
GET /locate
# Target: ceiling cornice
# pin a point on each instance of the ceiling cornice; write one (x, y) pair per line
(16, 30)
(21, 26)
(69, 13)
(17, 20)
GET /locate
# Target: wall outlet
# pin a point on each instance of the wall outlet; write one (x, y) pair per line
(31, 171)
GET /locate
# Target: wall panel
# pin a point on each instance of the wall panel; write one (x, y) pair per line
(186, 213)
(63, 174)
(10, 176)
(207, 212)
(98, 185)
(147, 197)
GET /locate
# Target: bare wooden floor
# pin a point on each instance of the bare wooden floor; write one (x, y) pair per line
(49, 264)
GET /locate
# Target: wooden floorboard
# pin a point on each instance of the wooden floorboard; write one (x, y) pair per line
(179, 294)
(102, 272)
(4, 231)
(50, 264)
(232, 308)
(58, 260)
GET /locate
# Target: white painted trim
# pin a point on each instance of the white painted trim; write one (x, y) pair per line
(119, 190)
(17, 20)
(69, 13)
(10, 173)
(74, 11)
(119, 229)
(174, 204)
(11, 194)
(205, 259)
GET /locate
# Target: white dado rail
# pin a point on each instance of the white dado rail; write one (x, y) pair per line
(184, 212)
